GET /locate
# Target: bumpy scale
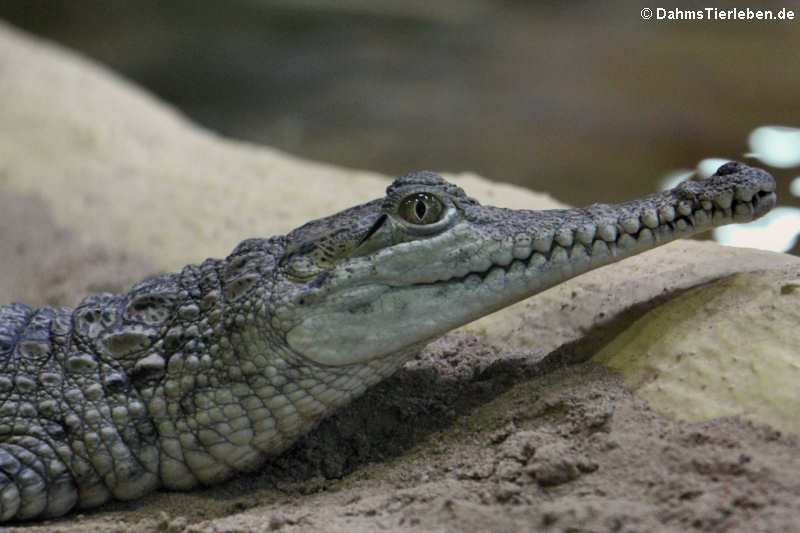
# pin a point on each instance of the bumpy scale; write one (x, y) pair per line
(192, 377)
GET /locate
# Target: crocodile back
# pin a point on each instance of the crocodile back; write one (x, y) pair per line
(72, 429)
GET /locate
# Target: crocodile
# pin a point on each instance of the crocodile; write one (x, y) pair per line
(193, 376)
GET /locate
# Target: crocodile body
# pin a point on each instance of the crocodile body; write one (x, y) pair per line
(191, 377)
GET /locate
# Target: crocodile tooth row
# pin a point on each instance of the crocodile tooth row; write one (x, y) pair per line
(599, 240)
(595, 238)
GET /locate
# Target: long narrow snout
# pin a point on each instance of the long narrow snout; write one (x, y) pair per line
(592, 236)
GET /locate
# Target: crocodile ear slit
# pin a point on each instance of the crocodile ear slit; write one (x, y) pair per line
(375, 227)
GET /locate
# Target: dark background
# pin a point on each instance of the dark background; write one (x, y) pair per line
(581, 99)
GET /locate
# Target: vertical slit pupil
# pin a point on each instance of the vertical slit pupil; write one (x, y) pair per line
(419, 209)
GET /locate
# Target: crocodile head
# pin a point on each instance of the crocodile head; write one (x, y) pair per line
(380, 277)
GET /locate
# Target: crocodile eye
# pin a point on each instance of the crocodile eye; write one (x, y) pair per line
(421, 208)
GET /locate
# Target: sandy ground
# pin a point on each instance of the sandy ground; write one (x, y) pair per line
(468, 437)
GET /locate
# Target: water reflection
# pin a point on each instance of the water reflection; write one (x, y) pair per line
(776, 231)
(794, 186)
(707, 167)
(777, 146)
(674, 178)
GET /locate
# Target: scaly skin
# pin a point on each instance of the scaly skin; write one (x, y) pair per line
(192, 377)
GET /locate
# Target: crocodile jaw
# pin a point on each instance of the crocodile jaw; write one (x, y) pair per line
(490, 258)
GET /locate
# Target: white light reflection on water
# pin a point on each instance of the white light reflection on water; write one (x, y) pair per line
(674, 178)
(794, 186)
(777, 146)
(707, 167)
(776, 231)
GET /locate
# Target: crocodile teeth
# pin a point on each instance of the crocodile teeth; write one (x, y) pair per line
(684, 208)
(495, 278)
(706, 204)
(645, 236)
(759, 202)
(522, 247)
(537, 260)
(607, 232)
(650, 218)
(700, 217)
(564, 238)
(626, 241)
(585, 234)
(578, 255)
(517, 269)
(502, 258)
(744, 194)
(480, 264)
(630, 225)
(472, 281)
(600, 249)
(666, 213)
(559, 255)
(724, 200)
(542, 245)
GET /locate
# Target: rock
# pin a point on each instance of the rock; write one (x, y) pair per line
(729, 347)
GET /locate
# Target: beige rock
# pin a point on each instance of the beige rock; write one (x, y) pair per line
(731, 347)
